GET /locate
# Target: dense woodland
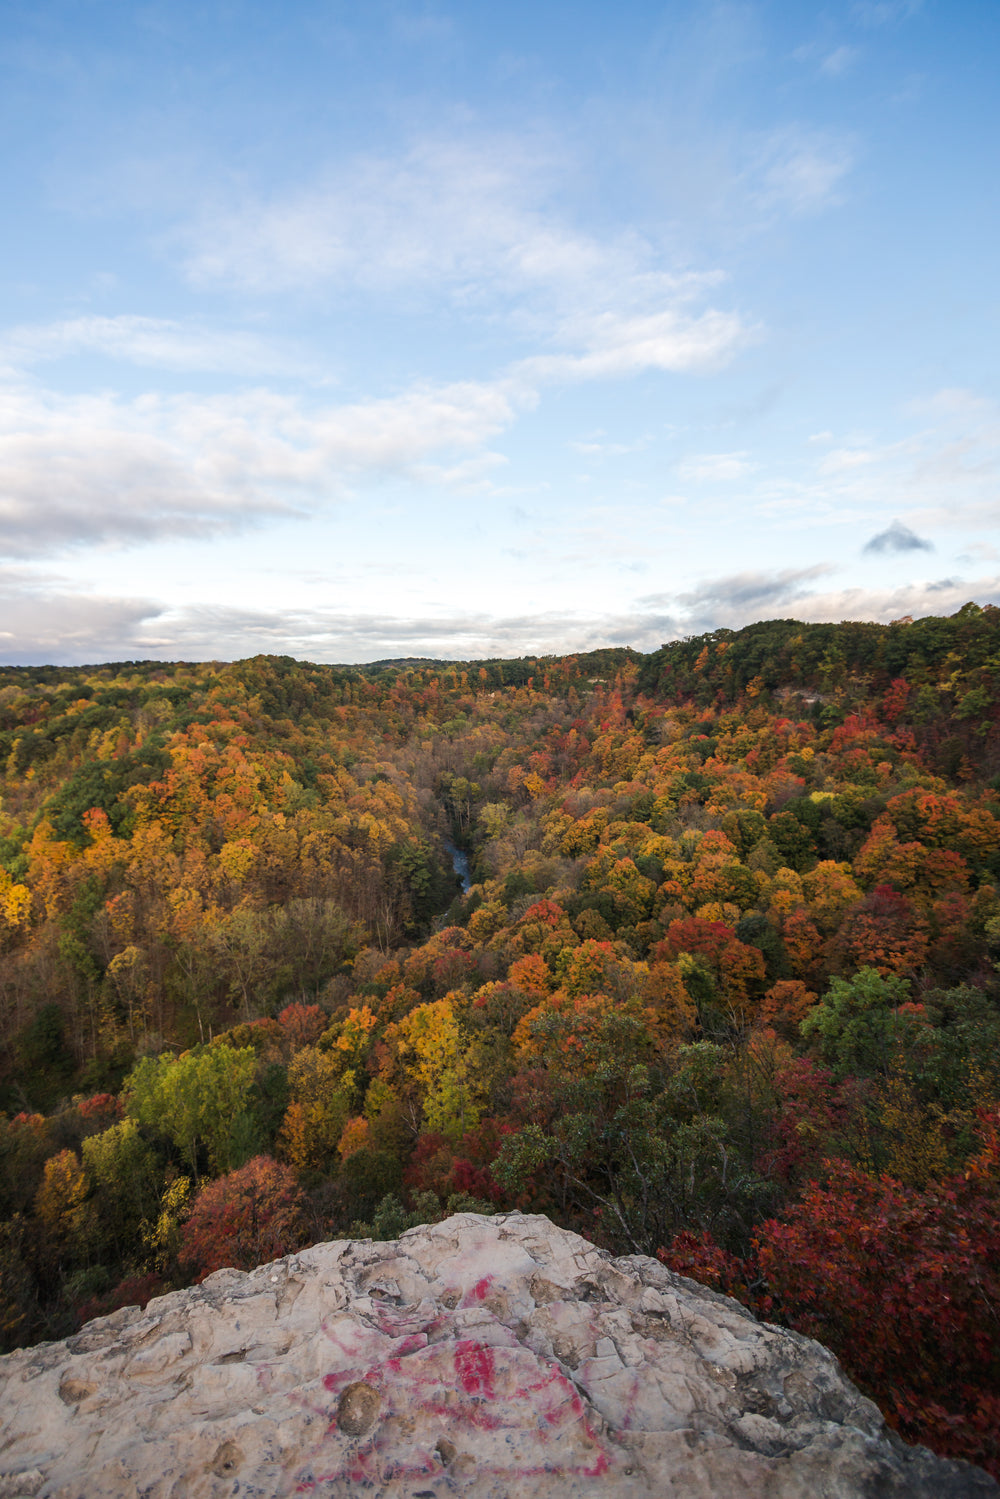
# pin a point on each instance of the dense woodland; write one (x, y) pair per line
(723, 987)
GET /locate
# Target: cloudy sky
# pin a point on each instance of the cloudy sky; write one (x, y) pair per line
(459, 328)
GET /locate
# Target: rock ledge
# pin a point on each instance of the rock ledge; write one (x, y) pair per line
(495, 1358)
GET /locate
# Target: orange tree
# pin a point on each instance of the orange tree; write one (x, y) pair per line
(244, 1219)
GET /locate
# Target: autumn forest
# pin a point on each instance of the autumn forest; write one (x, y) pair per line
(720, 985)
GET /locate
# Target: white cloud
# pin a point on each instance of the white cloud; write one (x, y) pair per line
(149, 342)
(737, 597)
(957, 403)
(885, 12)
(475, 222)
(99, 470)
(925, 596)
(799, 171)
(614, 346)
(841, 460)
(839, 61)
(105, 469)
(741, 599)
(980, 551)
(45, 622)
(481, 226)
(597, 449)
(716, 467)
(943, 473)
(442, 213)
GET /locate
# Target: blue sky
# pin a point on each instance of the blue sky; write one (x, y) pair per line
(351, 331)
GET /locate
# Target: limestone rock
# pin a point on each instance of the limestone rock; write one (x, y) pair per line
(496, 1358)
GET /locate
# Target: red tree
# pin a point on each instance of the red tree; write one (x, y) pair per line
(904, 1285)
(244, 1219)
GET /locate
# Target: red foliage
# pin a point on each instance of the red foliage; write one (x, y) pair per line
(430, 1162)
(303, 1024)
(785, 1005)
(135, 1290)
(699, 1257)
(878, 1270)
(737, 967)
(884, 932)
(695, 935)
(452, 969)
(856, 726)
(244, 1219)
(100, 1112)
(811, 1117)
(546, 911)
(440, 1167)
(894, 700)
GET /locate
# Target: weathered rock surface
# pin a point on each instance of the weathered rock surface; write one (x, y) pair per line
(500, 1358)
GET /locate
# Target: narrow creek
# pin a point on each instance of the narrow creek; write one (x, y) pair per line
(459, 863)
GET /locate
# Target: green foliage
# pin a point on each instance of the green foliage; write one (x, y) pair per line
(103, 784)
(392, 1218)
(21, 1317)
(45, 1062)
(858, 1028)
(199, 1101)
(124, 1175)
(366, 1177)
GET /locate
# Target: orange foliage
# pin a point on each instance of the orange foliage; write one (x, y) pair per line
(531, 975)
(784, 1005)
(247, 1218)
(356, 1136)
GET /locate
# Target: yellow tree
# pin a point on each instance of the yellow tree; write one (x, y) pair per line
(444, 1064)
(61, 1205)
(318, 1110)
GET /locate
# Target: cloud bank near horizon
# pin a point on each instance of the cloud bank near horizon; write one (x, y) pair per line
(45, 623)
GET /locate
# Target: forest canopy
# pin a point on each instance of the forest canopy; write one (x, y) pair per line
(721, 983)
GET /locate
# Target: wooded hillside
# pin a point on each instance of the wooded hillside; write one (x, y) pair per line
(723, 988)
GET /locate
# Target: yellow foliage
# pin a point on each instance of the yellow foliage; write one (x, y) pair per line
(443, 1064)
(909, 1138)
(48, 866)
(716, 910)
(15, 901)
(162, 1238)
(487, 920)
(531, 975)
(354, 1033)
(60, 1202)
(783, 892)
(318, 1111)
(673, 1010)
(830, 890)
(237, 859)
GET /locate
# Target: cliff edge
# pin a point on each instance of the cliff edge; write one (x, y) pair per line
(500, 1358)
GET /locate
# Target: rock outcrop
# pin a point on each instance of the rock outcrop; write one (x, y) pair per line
(500, 1358)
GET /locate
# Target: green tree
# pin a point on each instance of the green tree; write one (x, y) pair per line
(121, 1168)
(199, 1101)
(857, 1027)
